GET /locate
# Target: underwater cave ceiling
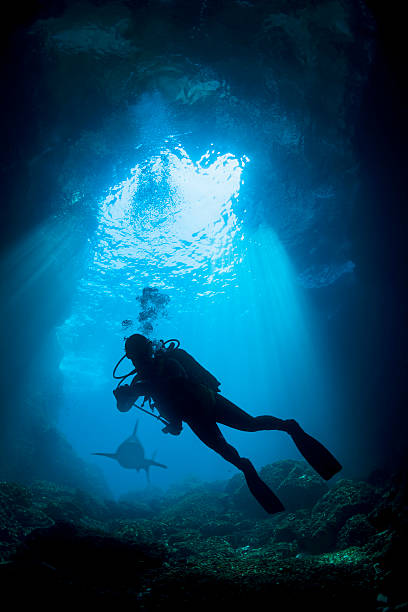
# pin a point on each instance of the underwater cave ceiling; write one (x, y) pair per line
(280, 82)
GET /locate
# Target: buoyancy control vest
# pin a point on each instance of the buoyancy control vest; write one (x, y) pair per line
(194, 370)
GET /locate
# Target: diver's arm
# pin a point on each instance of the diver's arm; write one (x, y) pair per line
(135, 381)
(174, 427)
(172, 372)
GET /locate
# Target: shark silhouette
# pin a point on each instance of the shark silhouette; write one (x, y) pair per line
(130, 455)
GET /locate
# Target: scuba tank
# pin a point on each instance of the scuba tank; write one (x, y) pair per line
(194, 370)
(195, 373)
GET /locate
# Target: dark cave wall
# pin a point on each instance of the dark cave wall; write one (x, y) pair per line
(37, 241)
(367, 338)
(370, 339)
(378, 233)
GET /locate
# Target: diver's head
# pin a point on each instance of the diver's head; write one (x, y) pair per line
(138, 349)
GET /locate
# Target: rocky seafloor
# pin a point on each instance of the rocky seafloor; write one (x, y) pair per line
(202, 545)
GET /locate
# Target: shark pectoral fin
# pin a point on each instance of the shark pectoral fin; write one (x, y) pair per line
(111, 455)
(158, 464)
(153, 462)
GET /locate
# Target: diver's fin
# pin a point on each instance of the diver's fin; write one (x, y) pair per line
(262, 493)
(314, 452)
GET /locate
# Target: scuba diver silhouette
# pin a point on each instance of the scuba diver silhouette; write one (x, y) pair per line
(182, 390)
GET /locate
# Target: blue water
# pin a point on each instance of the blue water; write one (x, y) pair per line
(233, 299)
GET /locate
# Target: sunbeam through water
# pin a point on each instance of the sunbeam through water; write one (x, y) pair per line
(233, 297)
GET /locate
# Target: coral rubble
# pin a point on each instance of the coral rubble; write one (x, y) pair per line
(197, 548)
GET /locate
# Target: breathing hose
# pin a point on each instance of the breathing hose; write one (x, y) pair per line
(172, 341)
(122, 378)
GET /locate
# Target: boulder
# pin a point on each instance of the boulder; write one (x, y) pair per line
(355, 532)
(294, 482)
(346, 499)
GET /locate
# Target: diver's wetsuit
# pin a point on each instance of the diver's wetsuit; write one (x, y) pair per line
(223, 411)
(179, 399)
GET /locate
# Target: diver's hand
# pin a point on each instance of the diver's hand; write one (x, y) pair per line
(125, 398)
(173, 428)
(121, 392)
(120, 389)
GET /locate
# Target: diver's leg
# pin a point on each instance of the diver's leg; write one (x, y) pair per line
(210, 434)
(228, 413)
(313, 451)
